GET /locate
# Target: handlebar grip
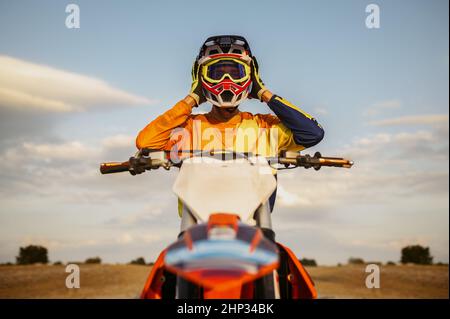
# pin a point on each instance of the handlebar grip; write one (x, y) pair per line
(335, 162)
(114, 167)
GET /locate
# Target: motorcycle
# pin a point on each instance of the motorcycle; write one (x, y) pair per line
(226, 247)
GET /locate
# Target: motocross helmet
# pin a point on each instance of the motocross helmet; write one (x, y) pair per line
(225, 70)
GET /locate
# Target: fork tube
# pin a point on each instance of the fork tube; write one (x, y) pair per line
(262, 216)
(187, 290)
(267, 286)
(187, 219)
(184, 288)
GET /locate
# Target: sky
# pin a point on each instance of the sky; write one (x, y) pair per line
(73, 98)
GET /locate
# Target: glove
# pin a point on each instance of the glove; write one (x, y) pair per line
(196, 88)
(258, 87)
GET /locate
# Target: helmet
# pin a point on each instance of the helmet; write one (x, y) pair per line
(225, 70)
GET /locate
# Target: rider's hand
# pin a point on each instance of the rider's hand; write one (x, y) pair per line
(196, 88)
(258, 87)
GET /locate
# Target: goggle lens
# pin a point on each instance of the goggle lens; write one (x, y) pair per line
(234, 69)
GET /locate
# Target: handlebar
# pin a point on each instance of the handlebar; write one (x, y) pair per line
(316, 161)
(147, 159)
(114, 167)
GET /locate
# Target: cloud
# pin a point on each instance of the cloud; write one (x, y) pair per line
(389, 168)
(119, 141)
(56, 244)
(418, 145)
(379, 107)
(333, 206)
(149, 215)
(35, 97)
(289, 199)
(429, 119)
(129, 239)
(69, 151)
(27, 86)
(64, 151)
(39, 169)
(23, 100)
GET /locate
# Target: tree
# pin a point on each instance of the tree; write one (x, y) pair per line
(378, 263)
(31, 255)
(138, 261)
(416, 254)
(93, 260)
(308, 262)
(355, 261)
(440, 263)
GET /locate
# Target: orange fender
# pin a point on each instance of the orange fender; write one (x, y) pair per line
(302, 284)
(153, 285)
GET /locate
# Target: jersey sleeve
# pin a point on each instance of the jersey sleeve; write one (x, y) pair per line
(157, 134)
(296, 127)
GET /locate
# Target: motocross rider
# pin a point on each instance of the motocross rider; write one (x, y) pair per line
(225, 73)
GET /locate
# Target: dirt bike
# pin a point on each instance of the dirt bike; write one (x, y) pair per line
(226, 247)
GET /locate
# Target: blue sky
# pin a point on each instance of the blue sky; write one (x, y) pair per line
(381, 95)
(317, 52)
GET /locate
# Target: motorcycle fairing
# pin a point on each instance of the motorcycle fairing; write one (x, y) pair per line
(233, 185)
(221, 254)
(156, 279)
(224, 257)
(302, 286)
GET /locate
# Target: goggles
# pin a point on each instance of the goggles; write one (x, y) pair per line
(218, 70)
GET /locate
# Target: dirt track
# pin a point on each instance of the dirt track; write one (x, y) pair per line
(126, 281)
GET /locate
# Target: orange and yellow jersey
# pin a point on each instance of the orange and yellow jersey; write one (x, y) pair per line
(263, 134)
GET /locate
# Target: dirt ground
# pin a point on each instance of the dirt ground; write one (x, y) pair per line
(395, 282)
(126, 281)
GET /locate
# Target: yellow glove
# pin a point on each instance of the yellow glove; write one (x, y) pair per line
(258, 87)
(196, 88)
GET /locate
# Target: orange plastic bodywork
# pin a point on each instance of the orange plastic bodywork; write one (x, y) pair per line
(220, 284)
(223, 219)
(301, 282)
(153, 285)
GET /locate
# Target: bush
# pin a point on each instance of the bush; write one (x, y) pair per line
(308, 262)
(57, 263)
(355, 261)
(32, 255)
(378, 263)
(93, 260)
(391, 263)
(416, 254)
(151, 263)
(7, 264)
(138, 261)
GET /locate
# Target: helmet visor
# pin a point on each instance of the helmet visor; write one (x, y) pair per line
(217, 70)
